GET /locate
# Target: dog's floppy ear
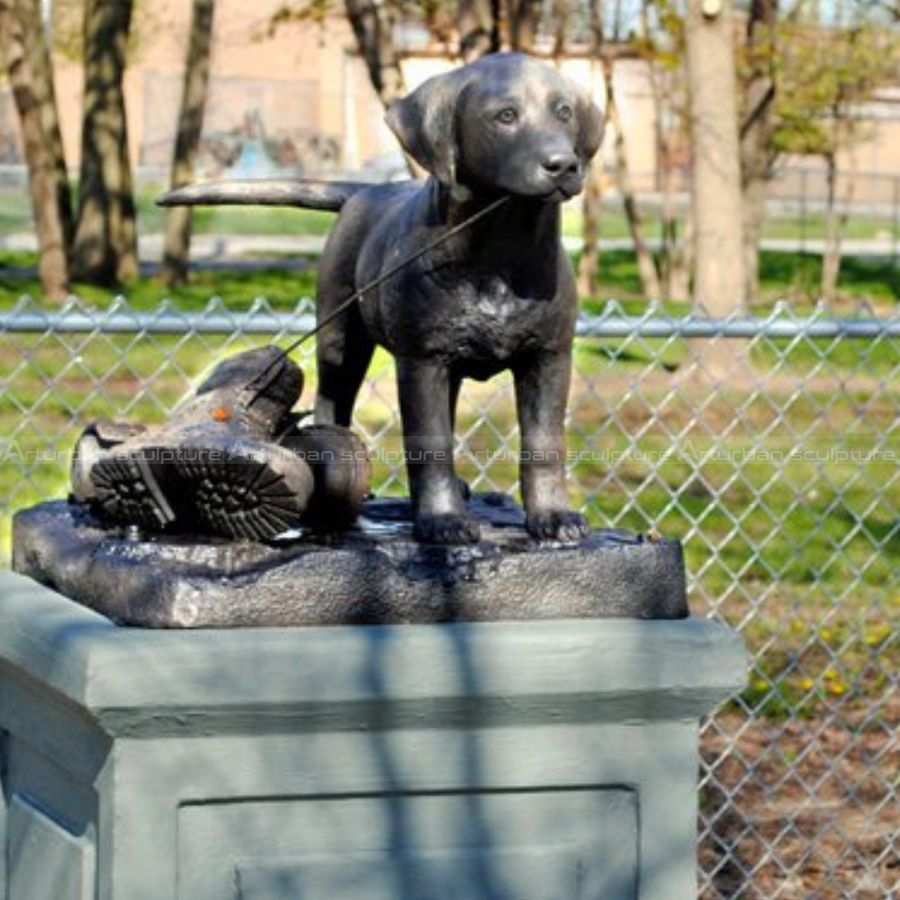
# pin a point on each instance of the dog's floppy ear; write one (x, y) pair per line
(591, 123)
(425, 124)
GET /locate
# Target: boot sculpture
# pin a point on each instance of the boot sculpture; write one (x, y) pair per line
(96, 442)
(216, 467)
(341, 474)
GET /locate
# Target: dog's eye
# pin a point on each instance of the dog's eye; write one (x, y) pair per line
(507, 116)
(564, 112)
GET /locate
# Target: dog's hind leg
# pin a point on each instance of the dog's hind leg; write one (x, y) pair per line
(344, 351)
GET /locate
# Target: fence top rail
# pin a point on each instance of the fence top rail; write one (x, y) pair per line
(76, 317)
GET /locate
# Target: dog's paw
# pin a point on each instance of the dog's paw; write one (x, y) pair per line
(557, 525)
(447, 528)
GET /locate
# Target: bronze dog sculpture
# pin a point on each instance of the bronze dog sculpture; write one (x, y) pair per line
(499, 295)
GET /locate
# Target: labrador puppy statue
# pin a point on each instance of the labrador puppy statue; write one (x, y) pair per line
(498, 295)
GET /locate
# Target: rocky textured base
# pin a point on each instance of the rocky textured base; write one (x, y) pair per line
(373, 573)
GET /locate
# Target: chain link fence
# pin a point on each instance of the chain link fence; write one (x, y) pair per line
(769, 446)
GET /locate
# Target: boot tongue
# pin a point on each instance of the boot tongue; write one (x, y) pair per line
(265, 370)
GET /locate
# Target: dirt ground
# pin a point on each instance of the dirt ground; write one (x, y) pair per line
(814, 812)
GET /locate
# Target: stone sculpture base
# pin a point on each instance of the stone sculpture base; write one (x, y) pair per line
(503, 760)
(375, 573)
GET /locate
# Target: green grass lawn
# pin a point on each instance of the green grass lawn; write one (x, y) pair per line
(237, 288)
(614, 225)
(15, 215)
(794, 277)
(15, 212)
(241, 220)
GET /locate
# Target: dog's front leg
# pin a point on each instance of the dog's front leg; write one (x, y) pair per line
(439, 513)
(542, 390)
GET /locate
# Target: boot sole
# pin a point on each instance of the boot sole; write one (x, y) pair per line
(241, 496)
(129, 492)
(204, 490)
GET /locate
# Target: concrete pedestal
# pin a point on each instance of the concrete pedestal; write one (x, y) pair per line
(551, 760)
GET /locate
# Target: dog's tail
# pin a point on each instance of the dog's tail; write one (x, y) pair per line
(324, 195)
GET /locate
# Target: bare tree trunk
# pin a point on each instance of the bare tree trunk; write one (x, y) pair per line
(179, 219)
(674, 265)
(561, 13)
(831, 259)
(645, 262)
(523, 17)
(670, 239)
(681, 261)
(479, 28)
(589, 263)
(756, 132)
(24, 48)
(755, 193)
(668, 211)
(717, 200)
(646, 265)
(105, 250)
(373, 26)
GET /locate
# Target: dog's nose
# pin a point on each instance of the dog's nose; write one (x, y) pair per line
(561, 165)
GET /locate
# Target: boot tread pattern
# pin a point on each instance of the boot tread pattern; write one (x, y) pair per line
(198, 490)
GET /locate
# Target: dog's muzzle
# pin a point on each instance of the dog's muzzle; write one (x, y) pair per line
(563, 173)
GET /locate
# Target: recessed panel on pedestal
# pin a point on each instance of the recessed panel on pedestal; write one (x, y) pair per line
(572, 844)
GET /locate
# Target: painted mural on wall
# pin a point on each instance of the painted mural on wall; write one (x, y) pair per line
(253, 128)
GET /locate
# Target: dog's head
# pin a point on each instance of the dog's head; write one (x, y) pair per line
(505, 123)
